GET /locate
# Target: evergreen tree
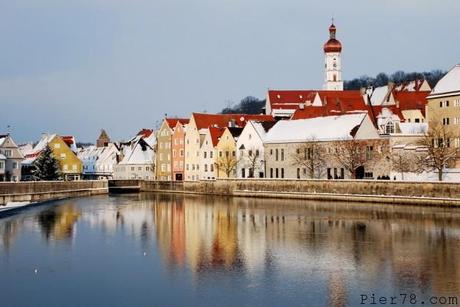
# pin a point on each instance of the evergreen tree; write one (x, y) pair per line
(46, 166)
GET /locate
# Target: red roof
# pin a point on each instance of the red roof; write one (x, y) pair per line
(145, 132)
(173, 121)
(289, 99)
(204, 120)
(412, 100)
(68, 139)
(215, 133)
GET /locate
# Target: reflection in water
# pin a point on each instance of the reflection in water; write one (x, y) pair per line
(344, 246)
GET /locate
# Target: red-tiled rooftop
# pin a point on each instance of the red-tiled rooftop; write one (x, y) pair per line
(204, 120)
(215, 133)
(145, 132)
(172, 122)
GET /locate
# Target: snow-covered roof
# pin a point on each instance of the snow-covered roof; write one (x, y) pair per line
(262, 128)
(327, 128)
(2, 139)
(449, 83)
(378, 95)
(139, 152)
(413, 128)
(2, 157)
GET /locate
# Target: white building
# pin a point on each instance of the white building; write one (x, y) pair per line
(138, 160)
(98, 162)
(285, 140)
(250, 149)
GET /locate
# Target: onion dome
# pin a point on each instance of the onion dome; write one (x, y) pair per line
(332, 45)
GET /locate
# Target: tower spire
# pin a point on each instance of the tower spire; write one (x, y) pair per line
(332, 51)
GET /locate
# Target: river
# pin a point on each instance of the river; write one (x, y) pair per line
(173, 250)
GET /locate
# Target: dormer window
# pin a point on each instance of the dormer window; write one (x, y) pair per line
(390, 128)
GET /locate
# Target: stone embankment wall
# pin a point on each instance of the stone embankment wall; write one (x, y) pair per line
(394, 192)
(36, 191)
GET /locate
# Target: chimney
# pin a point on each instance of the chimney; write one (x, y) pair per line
(232, 123)
(301, 106)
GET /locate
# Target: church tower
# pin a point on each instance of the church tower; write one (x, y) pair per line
(333, 62)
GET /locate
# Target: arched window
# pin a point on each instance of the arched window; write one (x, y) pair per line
(335, 78)
(390, 128)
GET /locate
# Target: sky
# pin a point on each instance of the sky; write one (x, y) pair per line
(77, 66)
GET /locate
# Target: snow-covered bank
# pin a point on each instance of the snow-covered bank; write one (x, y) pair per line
(14, 205)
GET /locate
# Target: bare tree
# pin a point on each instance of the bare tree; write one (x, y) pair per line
(439, 150)
(226, 161)
(312, 156)
(350, 154)
(403, 162)
(253, 161)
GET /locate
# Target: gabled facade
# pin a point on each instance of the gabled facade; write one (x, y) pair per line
(70, 166)
(10, 159)
(196, 131)
(226, 160)
(178, 150)
(208, 153)
(250, 150)
(164, 161)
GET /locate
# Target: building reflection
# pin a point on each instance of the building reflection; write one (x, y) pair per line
(418, 247)
(58, 223)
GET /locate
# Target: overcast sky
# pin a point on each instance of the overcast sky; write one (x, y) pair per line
(76, 66)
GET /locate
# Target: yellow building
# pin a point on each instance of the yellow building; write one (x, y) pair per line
(69, 165)
(226, 160)
(443, 106)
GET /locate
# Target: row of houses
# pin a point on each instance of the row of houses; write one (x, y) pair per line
(303, 134)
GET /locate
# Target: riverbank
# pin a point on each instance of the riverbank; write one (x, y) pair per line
(369, 191)
(39, 191)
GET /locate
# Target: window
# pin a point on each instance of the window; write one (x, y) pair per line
(445, 121)
(63, 155)
(456, 120)
(257, 153)
(211, 167)
(205, 155)
(57, 145)
(271, 172)
(369, 150)
(457, 103)
(210, 154)
(2, 165)
(227, 154)
(234, 153)
(276, 173)
(181, 152)
(65, 167)
(282, 172)
(298, 173)
(276, 154)
(205, 167)
(8, 153)
(74, 167)
(220, 153)
(282, 154)
(15, 165)
(186, 167)
(250, 153)
(271, 152)
(390, 128)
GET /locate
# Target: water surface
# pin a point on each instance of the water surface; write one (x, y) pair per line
(170, 250)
